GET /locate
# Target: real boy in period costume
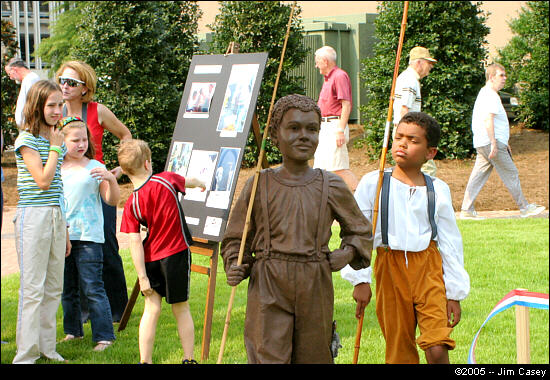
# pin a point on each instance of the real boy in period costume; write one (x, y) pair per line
(419, 267)
(290, 292)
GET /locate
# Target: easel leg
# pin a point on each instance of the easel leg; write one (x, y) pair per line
(209, 308)
(129, 307)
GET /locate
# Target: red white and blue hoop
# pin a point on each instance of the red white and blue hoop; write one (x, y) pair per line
(515, 297)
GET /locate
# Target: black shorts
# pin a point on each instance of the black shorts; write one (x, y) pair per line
(170, 276)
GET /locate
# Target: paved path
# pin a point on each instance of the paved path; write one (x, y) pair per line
(9, 255)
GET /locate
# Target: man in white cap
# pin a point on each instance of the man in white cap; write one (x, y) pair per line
(407, 97)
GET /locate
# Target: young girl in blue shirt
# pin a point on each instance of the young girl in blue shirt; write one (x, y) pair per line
(85, 181)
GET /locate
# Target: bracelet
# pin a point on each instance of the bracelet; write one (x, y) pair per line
(57, 149)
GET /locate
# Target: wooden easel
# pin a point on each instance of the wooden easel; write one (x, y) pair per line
(200, 247)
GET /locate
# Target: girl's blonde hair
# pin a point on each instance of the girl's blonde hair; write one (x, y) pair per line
(35, 104)
(87, 75)
(72, 122)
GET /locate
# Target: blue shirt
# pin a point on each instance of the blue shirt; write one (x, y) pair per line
(83, 203)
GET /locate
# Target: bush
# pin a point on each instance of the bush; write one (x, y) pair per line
(245, 23)
(449, 92)
(10, 89)
(526, 60)
(141, 52)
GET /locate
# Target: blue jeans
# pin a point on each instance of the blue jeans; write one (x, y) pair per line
(83, 269)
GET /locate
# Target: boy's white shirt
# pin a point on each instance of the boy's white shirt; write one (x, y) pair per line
(409, 229)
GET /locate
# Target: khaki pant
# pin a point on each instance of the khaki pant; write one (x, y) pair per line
(328, 155)
(483, 167)
(40, 238)
(408, 294)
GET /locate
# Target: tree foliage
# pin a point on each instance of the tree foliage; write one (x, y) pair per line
(141, 52)
(526, 60)
(247, 23)
(455, 33)
(10, 89)
(64, 37)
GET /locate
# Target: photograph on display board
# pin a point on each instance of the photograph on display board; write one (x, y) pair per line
(237, 99)
(224, 175)
(202, 167)
(207, 69)
(212, 226)
(200, 98)
(179, 158)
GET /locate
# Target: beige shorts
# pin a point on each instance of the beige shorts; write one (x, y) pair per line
(328, 156)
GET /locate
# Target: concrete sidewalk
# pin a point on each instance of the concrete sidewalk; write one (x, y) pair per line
(9, 255)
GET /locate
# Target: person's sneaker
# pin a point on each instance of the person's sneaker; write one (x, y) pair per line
(531, 209)
(471, 215)
(189, 361)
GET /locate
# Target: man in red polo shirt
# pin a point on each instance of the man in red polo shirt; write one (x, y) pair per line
(335, 104)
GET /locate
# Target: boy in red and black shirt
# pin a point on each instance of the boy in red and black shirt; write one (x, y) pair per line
(162, 260)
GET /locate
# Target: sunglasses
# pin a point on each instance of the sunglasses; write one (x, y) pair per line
(70, 81)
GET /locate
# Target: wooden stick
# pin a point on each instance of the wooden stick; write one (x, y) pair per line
(383, 157)
(254, 186)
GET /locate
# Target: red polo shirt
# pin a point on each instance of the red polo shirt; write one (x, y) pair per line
(156, 205)
(337, 87)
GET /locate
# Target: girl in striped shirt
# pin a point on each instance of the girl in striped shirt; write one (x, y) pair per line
(40, 225)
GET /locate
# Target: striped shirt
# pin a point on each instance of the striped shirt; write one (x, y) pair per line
(30, 195)
(407, 93)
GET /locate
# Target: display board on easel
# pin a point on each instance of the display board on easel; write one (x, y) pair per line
(209, 140)
(216, 113)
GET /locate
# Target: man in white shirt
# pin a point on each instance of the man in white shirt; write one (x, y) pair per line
(491, 132)
(407, 97)
(18, 71)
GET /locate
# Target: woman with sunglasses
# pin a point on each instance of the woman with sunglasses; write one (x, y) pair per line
(78, 84)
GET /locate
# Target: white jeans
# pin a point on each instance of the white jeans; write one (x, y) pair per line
(40, 241)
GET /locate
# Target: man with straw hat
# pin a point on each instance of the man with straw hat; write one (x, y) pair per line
(407, 91)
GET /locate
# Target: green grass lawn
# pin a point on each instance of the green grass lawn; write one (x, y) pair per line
(500, 255)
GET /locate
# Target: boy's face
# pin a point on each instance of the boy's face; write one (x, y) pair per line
(410, 146)
(298, 135)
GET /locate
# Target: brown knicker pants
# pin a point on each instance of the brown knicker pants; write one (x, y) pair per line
(408, 294)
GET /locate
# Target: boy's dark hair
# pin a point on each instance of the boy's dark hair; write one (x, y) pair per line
(427, 123)
(301, 102)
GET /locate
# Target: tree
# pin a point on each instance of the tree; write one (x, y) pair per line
(526, 60)
(245, 23)
(9, 87)
(454, 32)
(64, 38)
(141, 52)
